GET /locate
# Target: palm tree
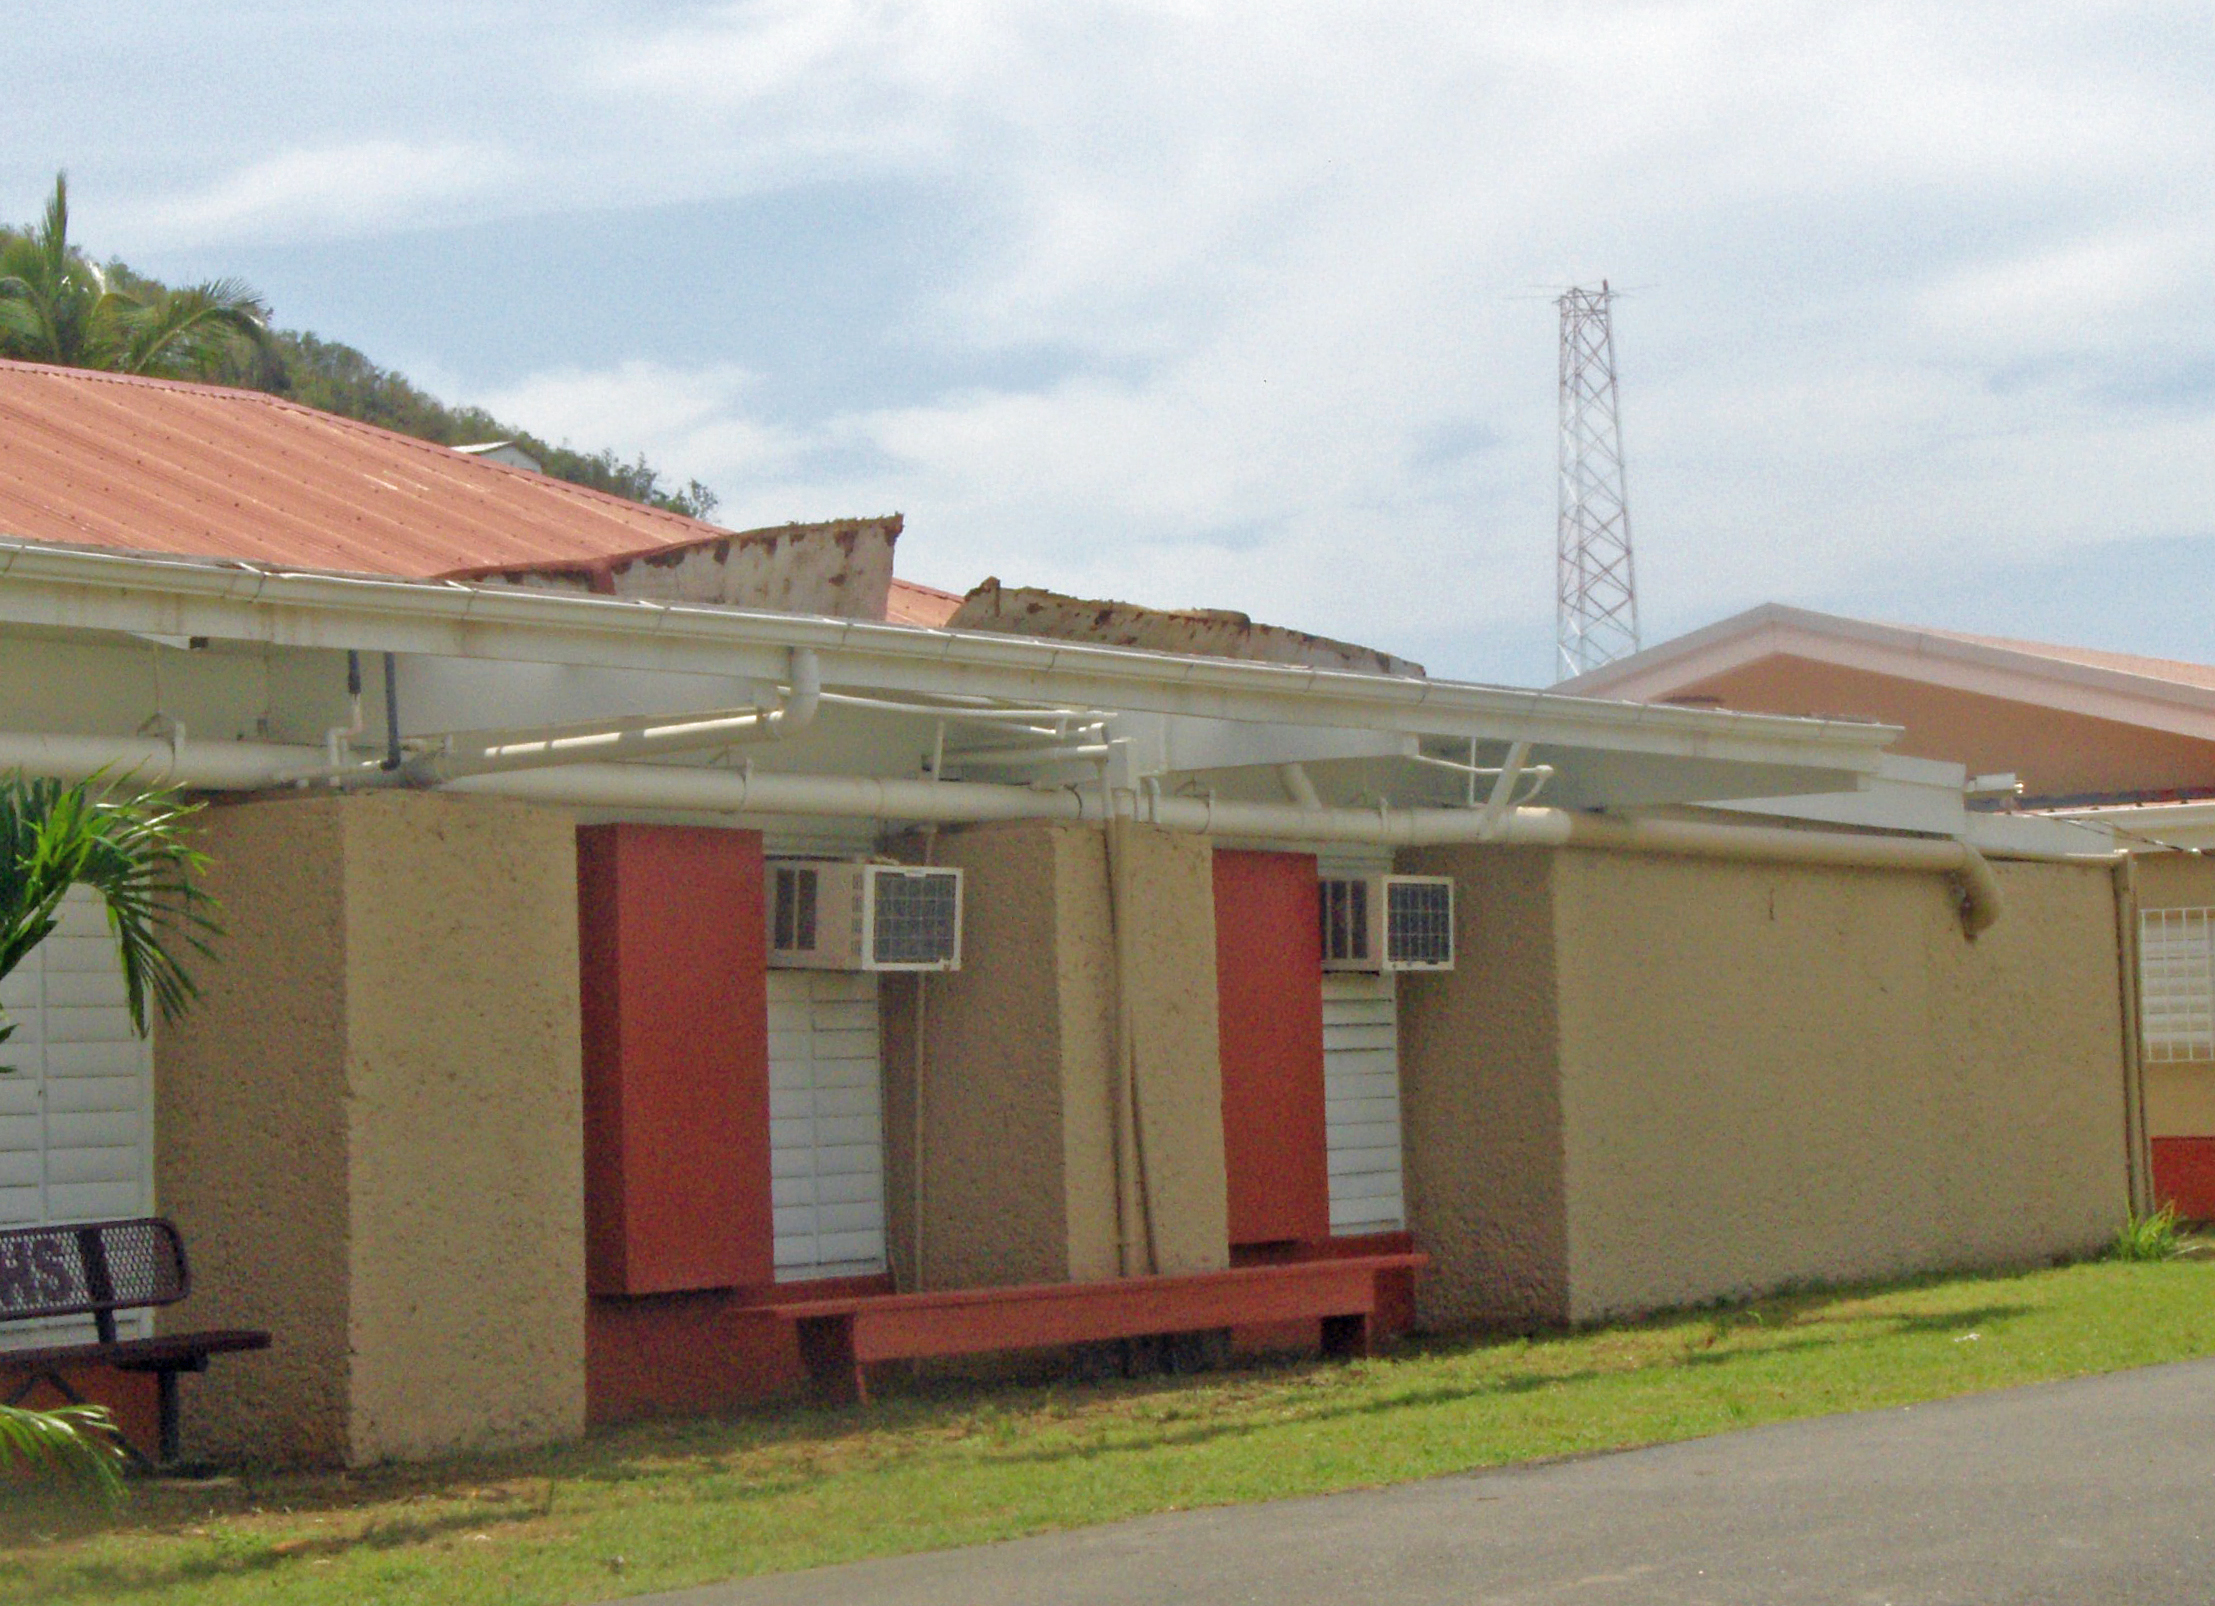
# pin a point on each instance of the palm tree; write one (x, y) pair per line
(135, 852)
(57, 306)
(77, 1439)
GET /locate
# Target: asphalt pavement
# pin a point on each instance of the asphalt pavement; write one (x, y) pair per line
(2099, 1492)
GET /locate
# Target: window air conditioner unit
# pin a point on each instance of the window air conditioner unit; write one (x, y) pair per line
(1387, 922)
(837, 914)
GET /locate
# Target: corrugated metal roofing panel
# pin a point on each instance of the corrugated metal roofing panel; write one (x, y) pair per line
(912, 604)
(154, 465)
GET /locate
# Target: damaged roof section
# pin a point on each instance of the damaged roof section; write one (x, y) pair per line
(841, 569)
(1205, 632)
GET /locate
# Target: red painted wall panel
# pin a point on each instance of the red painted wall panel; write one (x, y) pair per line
(2184, 1176)
(698, 1354)
(1269, 985)
(676, 1058)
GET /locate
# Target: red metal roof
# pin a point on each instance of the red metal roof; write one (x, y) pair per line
(155, 465)
(912, 604)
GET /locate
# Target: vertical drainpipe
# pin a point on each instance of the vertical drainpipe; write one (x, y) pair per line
(1134, 1216)
(392, 712)
(920, 1024)
(2138, 1155)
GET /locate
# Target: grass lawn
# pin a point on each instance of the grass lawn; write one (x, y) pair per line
(661, 1506)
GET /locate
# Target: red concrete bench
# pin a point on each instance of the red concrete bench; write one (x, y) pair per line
(840, 1338)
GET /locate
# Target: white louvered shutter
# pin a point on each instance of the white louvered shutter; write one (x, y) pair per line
(1361, 1086)
(76, 1112)
(826, 1127)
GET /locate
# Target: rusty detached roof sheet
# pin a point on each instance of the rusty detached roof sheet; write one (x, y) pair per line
(155, 465)
(1201, 632)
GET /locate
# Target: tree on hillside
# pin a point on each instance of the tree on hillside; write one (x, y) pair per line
(58, 306)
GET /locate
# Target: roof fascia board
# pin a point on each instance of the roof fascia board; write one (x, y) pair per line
(1968, 666)
(71, 589)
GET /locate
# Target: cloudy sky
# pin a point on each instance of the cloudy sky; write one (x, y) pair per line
(1247, 305)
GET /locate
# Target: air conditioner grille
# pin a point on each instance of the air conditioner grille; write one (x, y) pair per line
(793, 929)
(1344, 907)
(918, 917)
(1419, 922)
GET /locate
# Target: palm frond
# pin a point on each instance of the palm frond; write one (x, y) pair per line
(79, 1440)
(135, 851)
(185, 331)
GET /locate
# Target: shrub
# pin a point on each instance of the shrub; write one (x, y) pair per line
(2151, 1237)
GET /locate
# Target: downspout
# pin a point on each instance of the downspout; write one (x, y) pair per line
(921, 1022)
(2138, 1146)
(338, 740)
(392, 713)
(1137, 1252)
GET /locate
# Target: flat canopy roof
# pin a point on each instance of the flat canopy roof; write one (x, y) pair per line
(42, 585)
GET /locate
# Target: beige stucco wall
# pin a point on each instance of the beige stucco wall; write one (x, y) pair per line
(1018, 1075)
(465, 1131)
(1178, 1058)
(2180, 1099)
(1084, 970)
(993, 1206)
(369, 1130)
(1481, 1100)
(250, 1149)
(1772, 1074)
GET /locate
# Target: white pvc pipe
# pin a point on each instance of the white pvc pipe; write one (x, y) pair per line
(151, 761)
(947, 803)
(693, 789)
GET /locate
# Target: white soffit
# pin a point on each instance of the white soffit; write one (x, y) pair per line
(67, 588)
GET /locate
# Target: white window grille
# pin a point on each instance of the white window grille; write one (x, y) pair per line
(2176, 983)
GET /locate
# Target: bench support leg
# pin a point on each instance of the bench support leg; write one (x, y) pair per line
(827, 1350)
(165, 1382)
(1346, 1337)
(137, 1457)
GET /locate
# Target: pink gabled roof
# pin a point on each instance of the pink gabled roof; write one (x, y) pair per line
(154, 465)
(2158, 693)
(2121, 663)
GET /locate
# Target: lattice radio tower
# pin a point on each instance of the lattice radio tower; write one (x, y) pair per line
(1595, 592)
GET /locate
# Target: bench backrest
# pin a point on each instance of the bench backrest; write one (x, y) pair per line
(95, 1268)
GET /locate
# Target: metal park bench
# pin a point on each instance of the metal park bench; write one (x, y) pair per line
(841, 1337)
(97, 1269)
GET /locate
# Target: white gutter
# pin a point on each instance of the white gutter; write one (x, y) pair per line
(77, 589)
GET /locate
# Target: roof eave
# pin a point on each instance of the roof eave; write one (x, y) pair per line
(1972, 666)
(57, 587)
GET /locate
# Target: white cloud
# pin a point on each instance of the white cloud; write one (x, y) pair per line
(1915, 286)
(348, 189)
(681, 418)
